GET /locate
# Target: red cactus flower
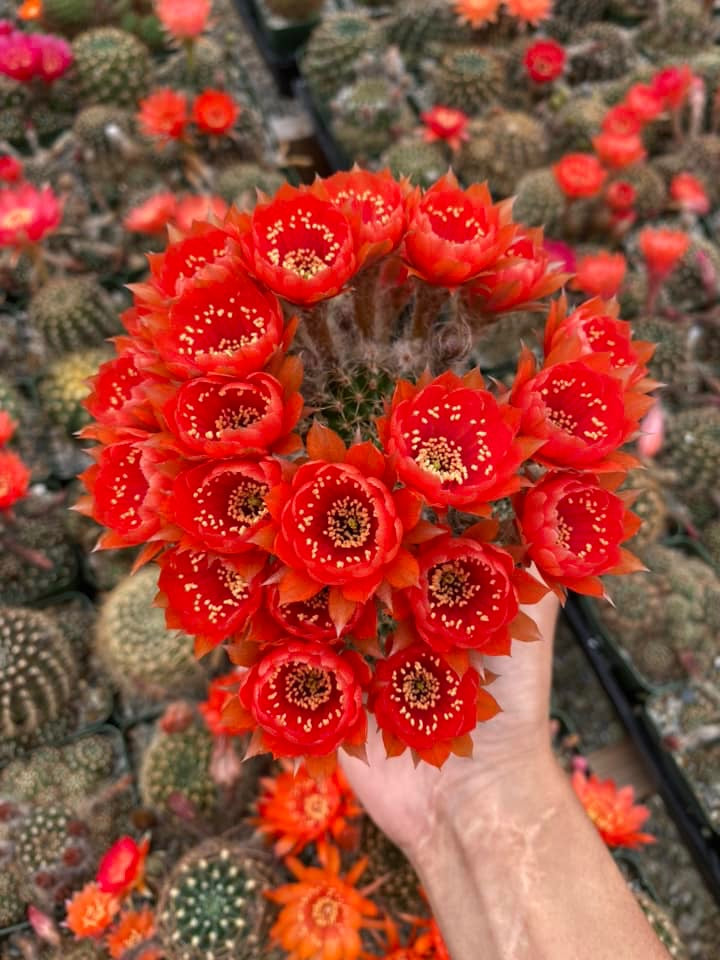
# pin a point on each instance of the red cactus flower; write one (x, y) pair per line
(221, 692)
(672, 84)
(185, 259)
(304, 698)
(544, 61)
(90, 911)
(220, 505)
(618, 151)
(11, 169)
(19, 56)
(662, 249)
(300, 246)
(579, 175)
(644, 102)
(527, 277)
(421, 701)
(614, 812)
(163, 114)
(117, 395)
(622, 121)
(201, 207)
(600, 274)
(14, 479)
(209, 596)
(689, 194)
(119, 484)
(295, 810)
(452, 442)
(132, 929)
(223, 322)
(322, 913)
(153, 215)
(184, 19)
(447, 124)
(477, 12)
(7, 427)
(579, 408)
(55, 57)
(374, 206)
(466, 597)
(573, 528)
(453, 234)
(309, 619)
(27, 214)
(122, 867)
(530, 11)
(597, 328)
(215, 112)
(221, 417)
(620, 196)
(338, 524)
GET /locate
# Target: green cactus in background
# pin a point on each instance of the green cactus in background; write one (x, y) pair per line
(603, 52)
(13, 907)
(579, 12)
(333, 51)
(178, 765)
(469, 78)
(672, 361)
(111, 66)
(692, 451)
(349, 398)
(212, 904)
(24, 582)
(680, 27)
(699, 156)
(38, 677)
(73, 313)
(93, 126)
(501, 149)
(575, 123)
(368, 115)
(650, 506)
(239, 182)
(540, 201)
(14, 101)
(420, 29)
(650, 189)
(141, 656)
(65, 386)
(68, 16)
(422, 163)
(43, 838)
(695, 281)
(63, 776)
(399, 886)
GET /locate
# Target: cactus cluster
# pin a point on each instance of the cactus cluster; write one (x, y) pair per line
(692, 452)
(177, 765)
(64, 775)
(368, 115)
(212, 906)
(468, 78)
(65, 386)
(143, 658)
(111, 66)
(501, 149)
(73, 313)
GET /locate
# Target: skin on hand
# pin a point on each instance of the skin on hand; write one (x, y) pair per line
(405, 801)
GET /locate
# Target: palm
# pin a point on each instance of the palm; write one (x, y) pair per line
(402, 798)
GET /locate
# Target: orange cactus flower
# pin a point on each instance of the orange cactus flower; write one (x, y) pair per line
(614, 812)
(445, 123)
(163, 114)
(663, 249)
(152, 215)
(215, 112)
(30, 10)
(91, 911)
(689, 193)
(122, 868)
(531, 11)
(294, 809)
(134, 927)
(201, 207)
(322, 913)
(477, 12)
(600, 274)
(184, 19)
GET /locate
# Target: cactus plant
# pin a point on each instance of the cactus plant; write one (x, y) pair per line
(399, 887)
(212, 904)
(576, 122)
(178, 765)
(141, 656)
(368, 115)
(68, 16)
(469, 78)
(692, 451)
(422, 163)
(540, 201)
(695, 282)
(602, 51)
(65, 386)
(501, 149)
(111, 66)
(650, 505)
(14, 100)
(22, 581)
(239, 182)
(73, 313)
(333, 52)
(93, 125)
(679, 27)
(417, 29)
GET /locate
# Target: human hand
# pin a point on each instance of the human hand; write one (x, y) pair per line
(405, 801)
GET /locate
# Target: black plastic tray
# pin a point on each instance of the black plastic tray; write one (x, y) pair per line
(698, 834)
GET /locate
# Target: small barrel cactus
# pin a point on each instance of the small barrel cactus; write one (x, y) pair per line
(239, 183)
(38, 677)
(111, 66)
(695, 281)
(501, 149)
(24, 582)
(672, 361)
(540, 201)
(73, 313)
(333, 51)
(65, 386)
(468, 78)
(417, 28)
(352, 396)
(679, 27)
(177, 765)
(141, 656)
(650, 189)
(368, 115)
(650, 505)
(422, 163)
(94, 125)
(603, 52)
(12, 904)
(576, 122)
(692, 451)
(212, 905)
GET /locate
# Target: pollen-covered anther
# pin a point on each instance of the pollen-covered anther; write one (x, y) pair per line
(308, 687)
(348, 523)
(442, 457)
(326, 909)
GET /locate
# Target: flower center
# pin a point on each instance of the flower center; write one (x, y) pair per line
(456, 223)
(19, 217)
(325, 910)
(420, 688)
(234, 418)
(234, 582)
(316, 808)
(450, 584)
(246, 503)
(442, 457)
(308, 687)
(308, 248)
(348, 523)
